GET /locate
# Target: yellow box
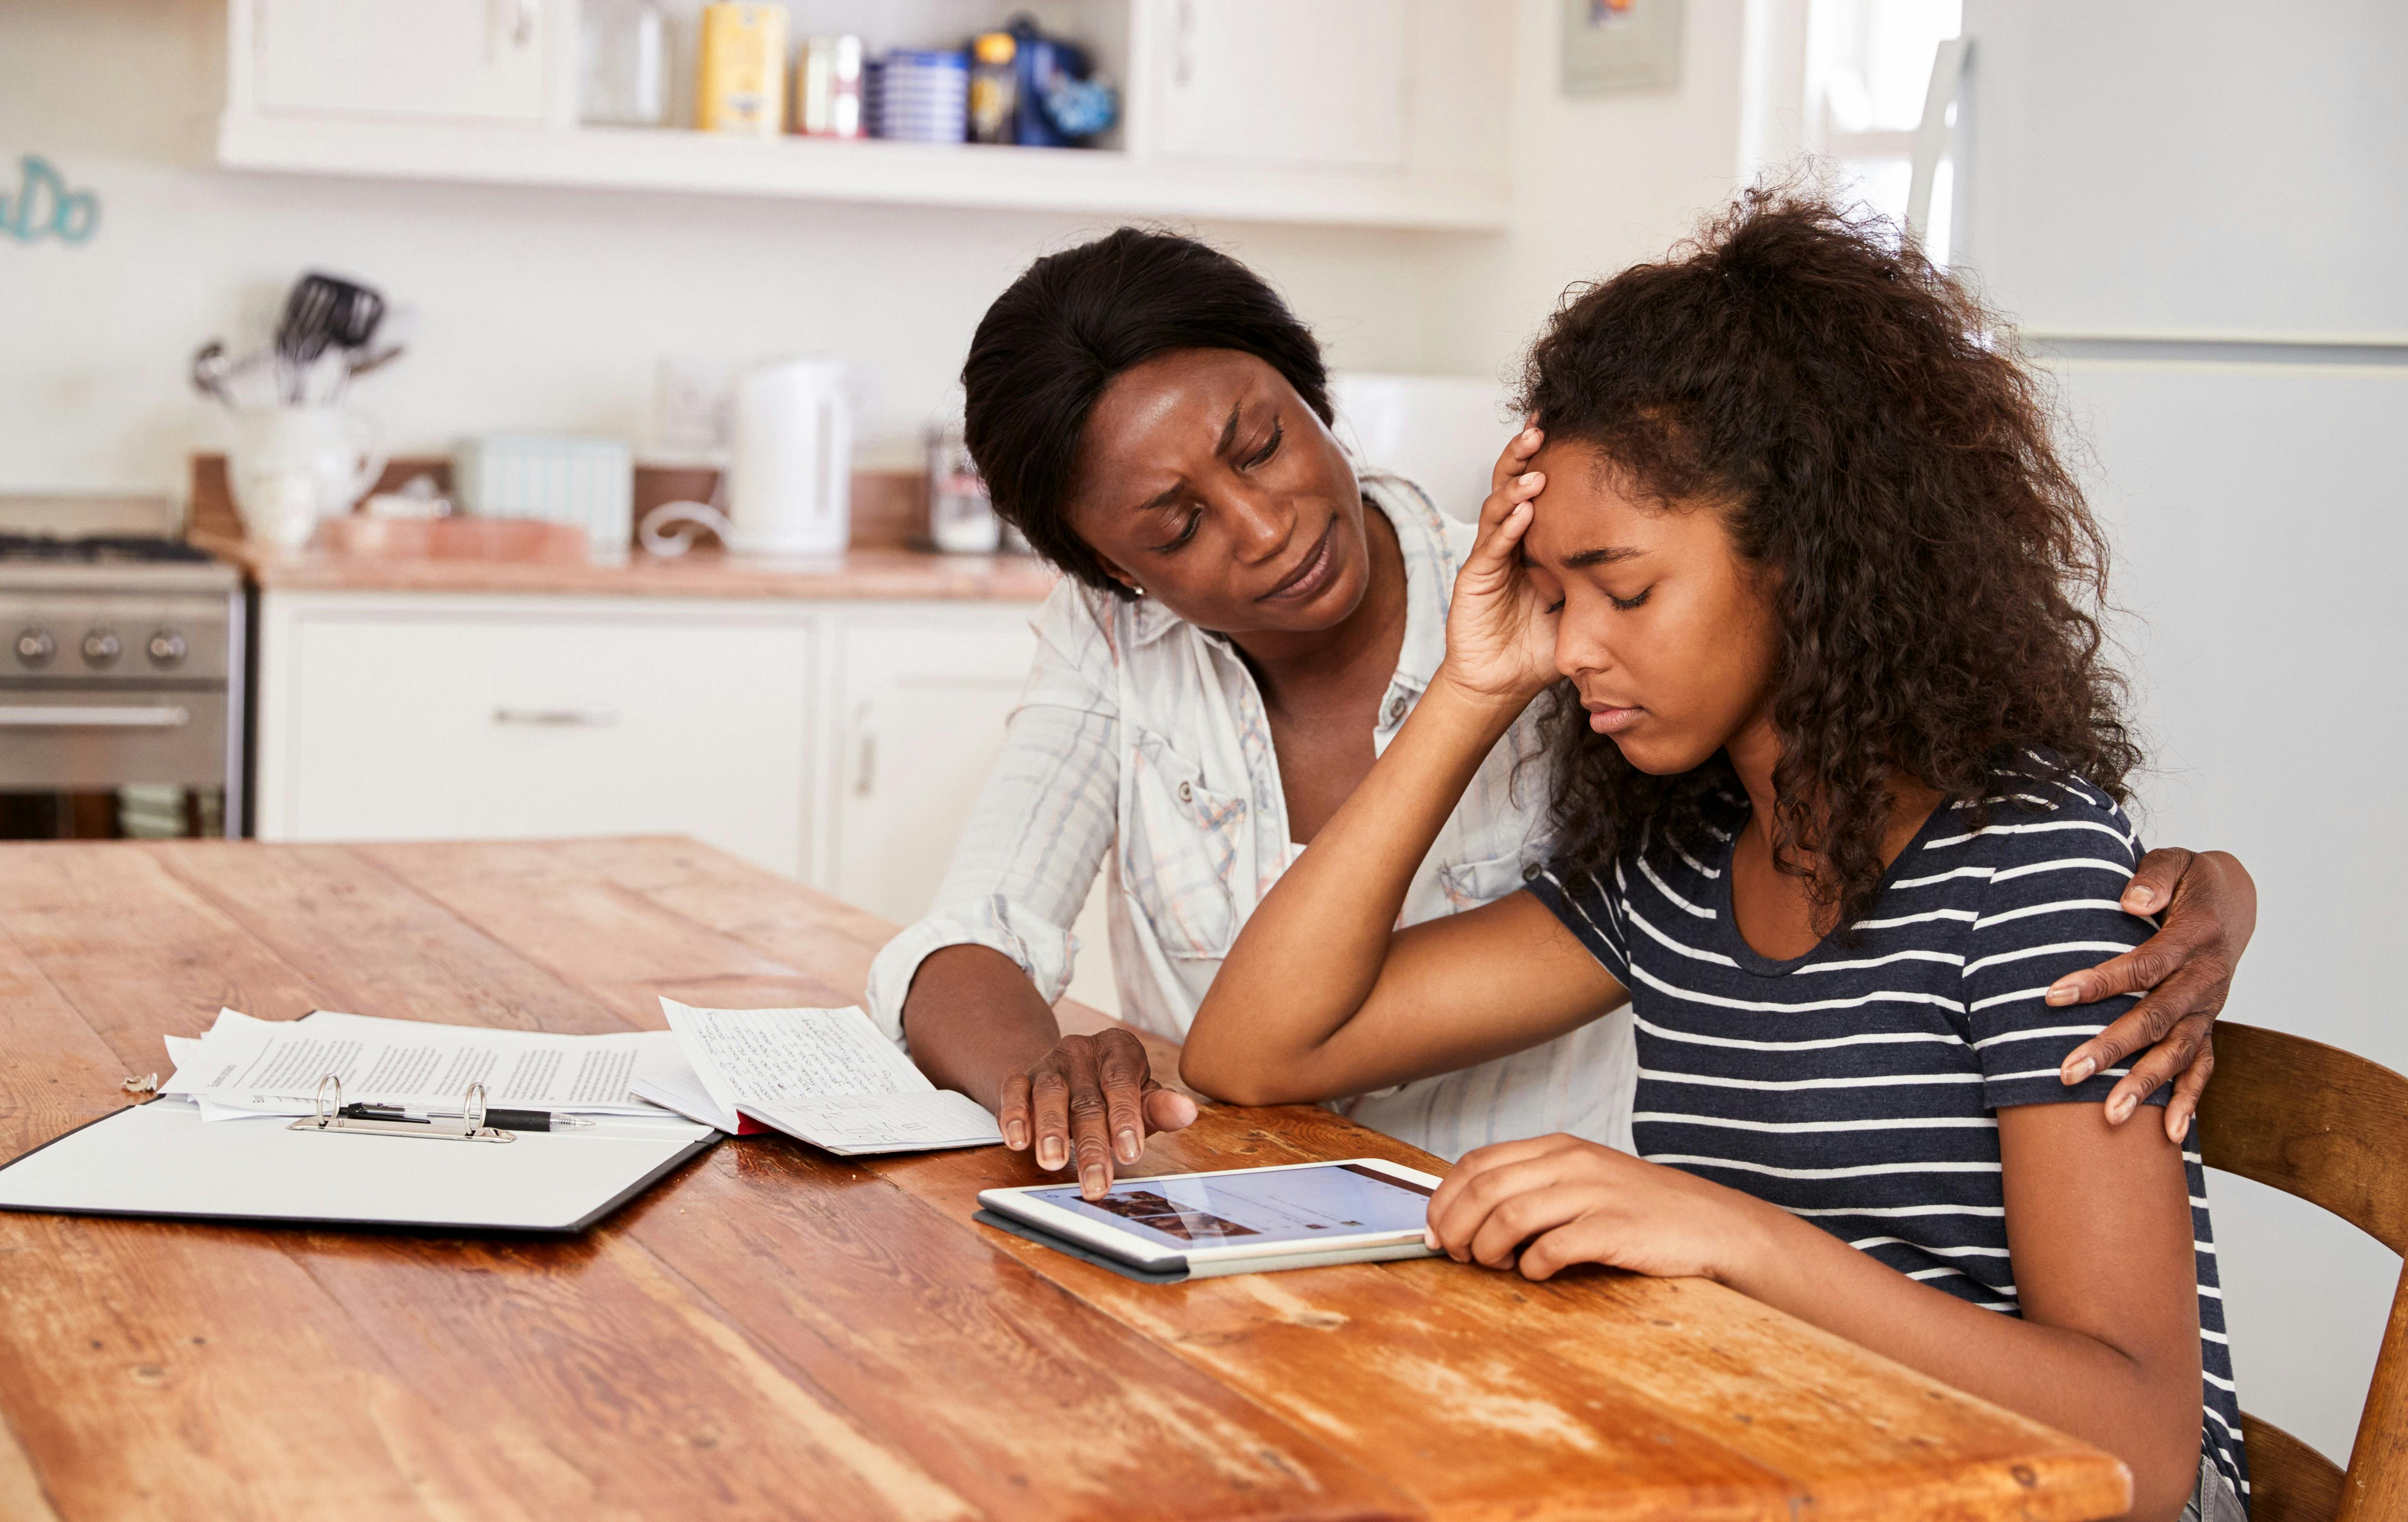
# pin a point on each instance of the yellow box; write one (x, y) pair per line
(742, 87)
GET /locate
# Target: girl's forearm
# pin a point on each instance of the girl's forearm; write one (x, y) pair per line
(2070, 1381)
(1311, 951)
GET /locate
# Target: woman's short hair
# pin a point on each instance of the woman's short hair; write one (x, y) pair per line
(1072, 322)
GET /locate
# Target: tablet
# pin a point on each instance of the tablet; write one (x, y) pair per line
(1239, 1219)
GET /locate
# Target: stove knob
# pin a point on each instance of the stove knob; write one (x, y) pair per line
(34, 647)
(101, 647)
(166, 648)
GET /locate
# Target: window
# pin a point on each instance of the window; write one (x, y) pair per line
(1845, 81)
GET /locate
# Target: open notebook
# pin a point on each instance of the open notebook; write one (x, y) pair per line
(823, 1076)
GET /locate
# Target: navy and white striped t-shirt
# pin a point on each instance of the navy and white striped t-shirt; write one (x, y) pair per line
(1859, 1086)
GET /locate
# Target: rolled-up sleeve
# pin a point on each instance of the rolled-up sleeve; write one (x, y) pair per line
(1023, 867)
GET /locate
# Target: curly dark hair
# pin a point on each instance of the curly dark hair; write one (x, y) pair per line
(1058, 336)
(1876, 445)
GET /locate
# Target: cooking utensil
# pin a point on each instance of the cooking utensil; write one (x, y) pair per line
(324, 313)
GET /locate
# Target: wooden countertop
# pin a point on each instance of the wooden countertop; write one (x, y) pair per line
(773, 1332)
(869, 572)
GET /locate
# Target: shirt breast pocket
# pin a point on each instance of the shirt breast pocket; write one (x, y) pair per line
(1180, 850)
(1468, 885)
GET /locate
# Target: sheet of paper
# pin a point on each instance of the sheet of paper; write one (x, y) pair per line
(682, 1092)
(272, 1067)
(827, 1076)
(873, 1123)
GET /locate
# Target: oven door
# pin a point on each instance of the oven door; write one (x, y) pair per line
(98, 738)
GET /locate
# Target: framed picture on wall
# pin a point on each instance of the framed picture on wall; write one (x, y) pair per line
(1616, 45)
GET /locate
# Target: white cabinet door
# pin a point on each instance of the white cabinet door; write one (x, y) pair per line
(921, 698)
(463, 60)
(1302, 84)
(447, 725)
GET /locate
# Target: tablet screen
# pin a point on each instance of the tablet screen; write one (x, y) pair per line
(1254, 1208)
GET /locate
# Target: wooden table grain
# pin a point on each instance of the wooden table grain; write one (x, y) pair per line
(771, 1333)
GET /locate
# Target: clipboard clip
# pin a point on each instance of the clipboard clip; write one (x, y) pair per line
(326, 1115)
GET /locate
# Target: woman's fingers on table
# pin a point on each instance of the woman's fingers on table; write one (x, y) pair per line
(1050, 1114)
(1123, 1072)
(1167, 1110)
(1089, 1103)
(1013, 1115)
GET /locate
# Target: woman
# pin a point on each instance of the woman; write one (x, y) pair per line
(1242, 626)
(1838, 772)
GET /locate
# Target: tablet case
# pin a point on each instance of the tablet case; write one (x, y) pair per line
(1389, 1253)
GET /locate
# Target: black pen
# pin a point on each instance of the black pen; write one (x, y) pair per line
(503, 1120)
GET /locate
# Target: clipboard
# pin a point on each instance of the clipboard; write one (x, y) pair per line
(162, 1159)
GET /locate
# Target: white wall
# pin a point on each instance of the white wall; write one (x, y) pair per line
(2260, 537)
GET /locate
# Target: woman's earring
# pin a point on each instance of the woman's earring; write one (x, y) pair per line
(1139, 590)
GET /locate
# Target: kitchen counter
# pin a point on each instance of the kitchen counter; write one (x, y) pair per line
(773, 1331)
(878, 572)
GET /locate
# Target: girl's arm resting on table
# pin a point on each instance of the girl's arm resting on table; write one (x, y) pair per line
(2100, 1221)
(1321, 997)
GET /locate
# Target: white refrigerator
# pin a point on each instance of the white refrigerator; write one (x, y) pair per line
(2199, 211)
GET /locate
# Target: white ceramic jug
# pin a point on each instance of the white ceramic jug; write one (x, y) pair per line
(291, 466)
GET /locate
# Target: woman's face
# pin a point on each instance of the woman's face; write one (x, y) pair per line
(1204, 478)
(1665, 629)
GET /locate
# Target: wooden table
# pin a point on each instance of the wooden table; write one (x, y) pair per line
(771, 1333)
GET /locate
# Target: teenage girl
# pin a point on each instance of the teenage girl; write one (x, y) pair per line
(1838, 773)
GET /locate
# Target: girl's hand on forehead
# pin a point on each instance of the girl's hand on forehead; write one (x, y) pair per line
(1501, 628)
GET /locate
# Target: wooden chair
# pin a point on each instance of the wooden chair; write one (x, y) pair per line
(2316, 1122)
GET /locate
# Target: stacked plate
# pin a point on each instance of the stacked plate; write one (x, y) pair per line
(923, 96)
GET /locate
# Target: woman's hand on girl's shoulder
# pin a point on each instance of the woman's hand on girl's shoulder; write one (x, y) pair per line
(1547, 1203)
(1500, 632)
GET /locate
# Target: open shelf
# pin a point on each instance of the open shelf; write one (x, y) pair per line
(1092, 180)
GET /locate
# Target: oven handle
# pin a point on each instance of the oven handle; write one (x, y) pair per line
(21, 716)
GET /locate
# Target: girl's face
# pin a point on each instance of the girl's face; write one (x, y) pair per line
(1204, 478)
(1665, 630)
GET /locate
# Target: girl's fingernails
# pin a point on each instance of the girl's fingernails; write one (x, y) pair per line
(1129, 1146)
(1430, 1239)
(2065, 991)
(1530, 478)
(2143, 900)
(1091, 1181)
(1015, 1136)
(2076, 1072)
(1529, 436)
(1050, 1153)
(2119, 1109)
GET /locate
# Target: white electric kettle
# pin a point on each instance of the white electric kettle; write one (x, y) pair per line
(788, 486)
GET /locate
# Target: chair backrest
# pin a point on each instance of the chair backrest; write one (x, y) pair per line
(2330, 1128)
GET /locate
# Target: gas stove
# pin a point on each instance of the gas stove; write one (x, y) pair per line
(120, 669)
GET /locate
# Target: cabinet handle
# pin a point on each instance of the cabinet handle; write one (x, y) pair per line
(864, 762)
(558, 718)
(14, 717)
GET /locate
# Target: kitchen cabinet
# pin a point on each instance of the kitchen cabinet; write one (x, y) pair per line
(1344, 112)
(840, 742)
(920, 699)
(464, 61)
(1271, 81)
